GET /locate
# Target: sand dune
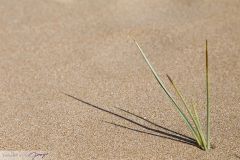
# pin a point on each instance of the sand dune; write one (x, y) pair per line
(82, 48)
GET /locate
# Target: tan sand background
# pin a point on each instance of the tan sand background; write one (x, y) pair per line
(82, 48)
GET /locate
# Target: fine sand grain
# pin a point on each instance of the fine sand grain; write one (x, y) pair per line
(50, 48)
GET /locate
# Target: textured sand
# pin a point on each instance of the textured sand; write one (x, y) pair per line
(82, 48)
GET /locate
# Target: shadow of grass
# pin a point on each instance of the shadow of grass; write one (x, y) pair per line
(167, 133)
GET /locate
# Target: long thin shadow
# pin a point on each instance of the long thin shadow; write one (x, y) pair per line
(164, 128)
(166, 135)
(152, 134)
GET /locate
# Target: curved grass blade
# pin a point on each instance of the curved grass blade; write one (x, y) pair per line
(199, 126)
(184, 117)
(196, 129)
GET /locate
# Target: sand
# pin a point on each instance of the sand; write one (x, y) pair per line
(50, 48)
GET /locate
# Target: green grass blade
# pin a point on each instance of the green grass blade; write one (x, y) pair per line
(199, 126)
(208, 107)
(197, 130)
(184, 117)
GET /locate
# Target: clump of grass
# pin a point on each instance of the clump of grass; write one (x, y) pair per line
(191, 118)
